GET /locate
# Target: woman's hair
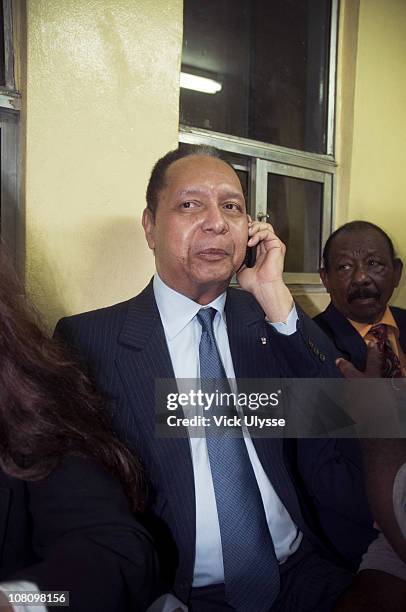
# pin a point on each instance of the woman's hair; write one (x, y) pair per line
(48, 407)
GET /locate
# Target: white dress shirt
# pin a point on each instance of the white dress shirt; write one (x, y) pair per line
(182, 332)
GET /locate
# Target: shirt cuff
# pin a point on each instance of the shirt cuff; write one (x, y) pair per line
(288, 327)
(21, 586)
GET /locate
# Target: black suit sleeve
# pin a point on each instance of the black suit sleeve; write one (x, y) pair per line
(331, 472)
(88, 541)
(308, 353)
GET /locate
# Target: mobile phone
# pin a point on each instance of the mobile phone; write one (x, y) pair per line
(250, 257)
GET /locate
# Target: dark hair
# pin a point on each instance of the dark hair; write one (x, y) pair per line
(157, 179)
(354, 226)
(48, 407)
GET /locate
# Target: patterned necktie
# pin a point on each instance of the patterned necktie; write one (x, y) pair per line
(251, 571)
(390, 361)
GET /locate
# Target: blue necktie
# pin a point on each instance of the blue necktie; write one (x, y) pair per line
(251, 571)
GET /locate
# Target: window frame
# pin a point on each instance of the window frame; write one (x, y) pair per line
(263, 167)
(301, 164)
(11, 212)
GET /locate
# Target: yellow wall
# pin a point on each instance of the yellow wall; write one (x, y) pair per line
(378, 176)
(102, 105)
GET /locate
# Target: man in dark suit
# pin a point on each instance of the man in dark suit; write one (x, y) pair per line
(360, 272)
(233, 530)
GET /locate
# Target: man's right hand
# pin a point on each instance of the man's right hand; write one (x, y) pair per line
(265, 279)
(373, 368)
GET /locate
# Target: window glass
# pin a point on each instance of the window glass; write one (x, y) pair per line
(295, 210)
(267, 61)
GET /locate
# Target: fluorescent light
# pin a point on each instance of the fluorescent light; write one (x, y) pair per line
(198, 83)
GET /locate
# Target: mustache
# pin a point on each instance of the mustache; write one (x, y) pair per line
(362, 294)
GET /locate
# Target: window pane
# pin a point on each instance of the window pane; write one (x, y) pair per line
(295, 209)
(270, 58)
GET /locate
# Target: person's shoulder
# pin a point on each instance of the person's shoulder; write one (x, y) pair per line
(11, 489)
(240, 296)
(329, 313)
(100, 314)
(110, 316)
(331, 322)
(399, 313)
(13, 502)
(243, 304)
(319, 317)
(70, 475)
(316, 327)
(94, 324)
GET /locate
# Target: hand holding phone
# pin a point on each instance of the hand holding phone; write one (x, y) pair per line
(265, 278)
(267, 264)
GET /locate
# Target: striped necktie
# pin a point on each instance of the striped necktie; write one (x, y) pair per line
(251, 571)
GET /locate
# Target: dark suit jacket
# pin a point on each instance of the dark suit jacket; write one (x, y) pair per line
(125, 348)
(346, 338)
(73, 531)
(351, 506)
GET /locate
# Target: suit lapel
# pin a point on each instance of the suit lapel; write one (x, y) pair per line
(246, 329)
(346, 337)
(144, 359)
(400, 317)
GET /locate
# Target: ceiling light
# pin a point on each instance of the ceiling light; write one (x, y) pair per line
(198, 83)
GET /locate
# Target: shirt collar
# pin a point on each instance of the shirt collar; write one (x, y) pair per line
(177, 310)
(387, 319)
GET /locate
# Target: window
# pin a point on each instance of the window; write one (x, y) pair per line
(10, 221)
(258, 82)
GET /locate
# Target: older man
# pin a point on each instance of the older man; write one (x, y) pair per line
(225, 511)
(360, 271)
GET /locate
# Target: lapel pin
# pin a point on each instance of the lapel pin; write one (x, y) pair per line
(263, 340)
